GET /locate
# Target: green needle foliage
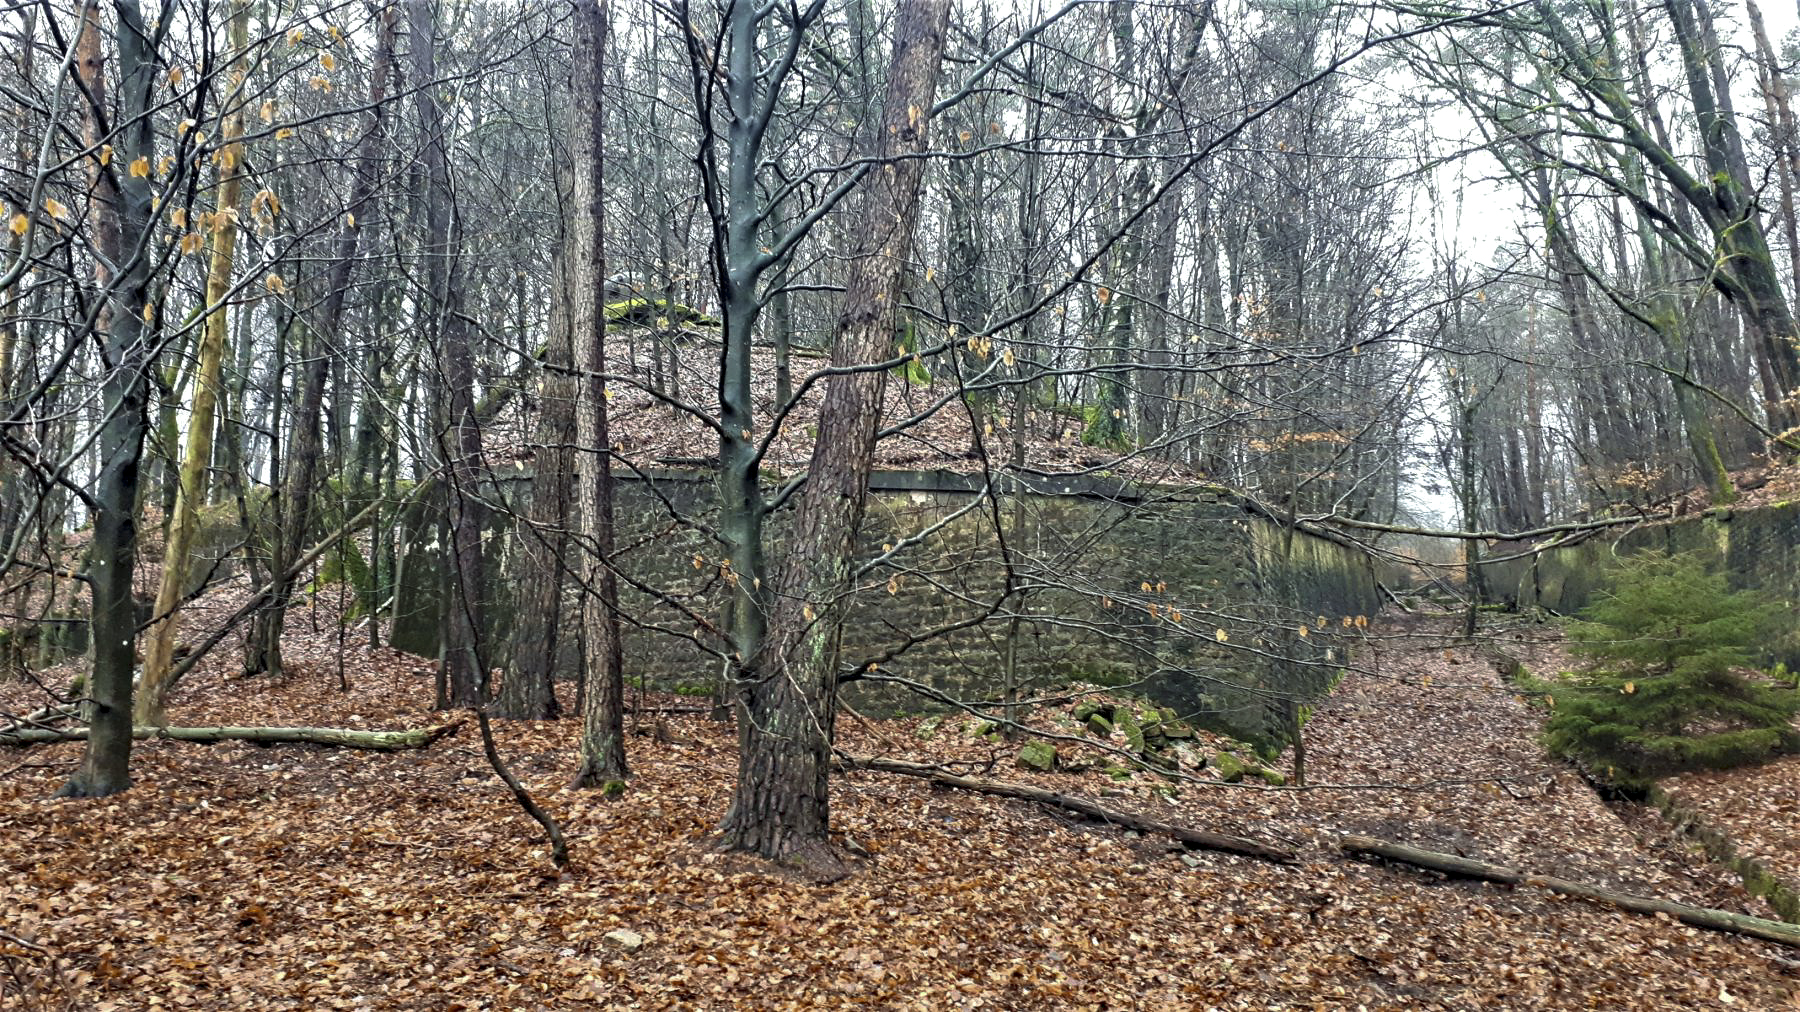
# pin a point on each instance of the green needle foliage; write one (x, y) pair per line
(1664, 688)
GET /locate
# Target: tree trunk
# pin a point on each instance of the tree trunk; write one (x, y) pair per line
(787, 692)
(197, 454)
(529, 690)
(263, 649)
(1732, 212)
(463, 674)
(122, 230)
(1784, 139)
(603, 677)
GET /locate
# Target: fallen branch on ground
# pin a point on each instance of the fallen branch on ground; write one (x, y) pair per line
(559, 849)
(46, 717)
(1197, 838)
(377, 741)
(1462, 867)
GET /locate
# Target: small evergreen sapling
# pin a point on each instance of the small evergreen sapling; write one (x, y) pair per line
(1664, 687)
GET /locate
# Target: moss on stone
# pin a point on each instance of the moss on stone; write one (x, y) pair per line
(1037, 755)
(1230, 768)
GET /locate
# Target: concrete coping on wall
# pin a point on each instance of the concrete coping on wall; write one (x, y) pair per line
(1092, 487)
(1083, 486)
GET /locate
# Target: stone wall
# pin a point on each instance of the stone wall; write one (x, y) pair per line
(1183, 593)
(1759, 548)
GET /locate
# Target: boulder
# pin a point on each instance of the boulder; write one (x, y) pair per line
(1099, 726)
(1230, 768)
(1134, 733)
(1089, 708)
(1037, 755)
(928, 728)
(1274, 778)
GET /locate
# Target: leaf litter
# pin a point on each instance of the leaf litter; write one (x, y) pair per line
(239, 877)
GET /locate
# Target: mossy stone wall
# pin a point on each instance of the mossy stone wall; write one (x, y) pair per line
(1759, 549)
(1182, 593)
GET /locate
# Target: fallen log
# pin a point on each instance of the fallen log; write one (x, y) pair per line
(377, 741)
(1462, 867)
(1198, 839)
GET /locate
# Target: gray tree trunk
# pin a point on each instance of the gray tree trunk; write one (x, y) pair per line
(123, 228)
(603, 680)
(787, 691)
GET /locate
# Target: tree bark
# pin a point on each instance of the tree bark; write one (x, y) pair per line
(603, 677)
(1462, 867)
(786, 692)
(463, 675)
(529, 690)
(122, 229)
(196, 460)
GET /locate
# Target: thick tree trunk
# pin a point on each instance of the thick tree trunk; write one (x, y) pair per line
(787, 692)
(1462, 867)
(196, 460)
(603, 677)
(529, 689)
(1731, 210)
(463, 676)
(121, 235)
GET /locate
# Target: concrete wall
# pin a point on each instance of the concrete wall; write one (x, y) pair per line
(1089, 548)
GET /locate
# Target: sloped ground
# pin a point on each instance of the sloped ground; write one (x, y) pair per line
(1758, 808)
(235, 877)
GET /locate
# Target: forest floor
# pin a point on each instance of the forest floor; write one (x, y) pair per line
(238, 877)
